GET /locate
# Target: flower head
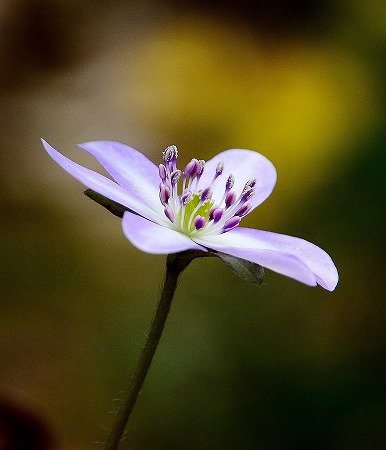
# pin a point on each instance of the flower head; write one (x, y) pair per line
(170, 210)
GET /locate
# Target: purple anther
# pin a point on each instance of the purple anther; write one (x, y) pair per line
(175, 177)
(230, 224)
(230, 199)
(219, 169)
(230, 182)
(206, 194)
(247, 194)
(199, 222)
(250, 183)
(244, 210)
(192, 168)
(164, 194)
(169, 214)
(217, 214)
(186, 197)
(170, 154)
(162, 172)
(201, 164)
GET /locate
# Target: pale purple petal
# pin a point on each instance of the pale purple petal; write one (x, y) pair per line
(294, 257)
(244, 165)
(103, 185)
(135, 172)
(279, 262)
(153, 238)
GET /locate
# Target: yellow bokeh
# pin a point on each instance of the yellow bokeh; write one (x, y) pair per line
(210, 86)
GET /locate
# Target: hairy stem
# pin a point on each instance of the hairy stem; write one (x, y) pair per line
(175, 264)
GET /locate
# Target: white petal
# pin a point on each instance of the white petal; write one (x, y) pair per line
(135, 172)
(105, 186)
(153, 238)
(294, 257)
(243, 165)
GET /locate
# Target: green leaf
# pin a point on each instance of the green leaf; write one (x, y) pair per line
(247, 270)
(115, 208)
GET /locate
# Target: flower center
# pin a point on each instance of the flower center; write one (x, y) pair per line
(194, 211)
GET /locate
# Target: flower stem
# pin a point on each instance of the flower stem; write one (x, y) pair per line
(175, 264)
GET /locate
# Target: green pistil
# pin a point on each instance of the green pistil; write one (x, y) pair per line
(190, 208)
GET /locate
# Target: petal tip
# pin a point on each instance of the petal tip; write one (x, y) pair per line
(331, 283)
(49, 149)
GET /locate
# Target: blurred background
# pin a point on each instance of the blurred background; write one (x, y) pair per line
(280, 366)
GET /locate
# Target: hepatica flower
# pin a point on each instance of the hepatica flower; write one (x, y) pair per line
(199, 208)
(192, 213)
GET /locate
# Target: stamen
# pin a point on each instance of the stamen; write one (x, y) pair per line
(185, 198)
(170, 154)
(199, 222)
(201, 163)
(230, 224)
(219, 169)
(169, 214)
(193, 209)
(230, 182)
(250, 183)
(164, 194)
(212, 210)
(190, 171)
(191, 168)
(230, 199)
(175, 177)
(206, 194)
(162, 172)
(228, 186)
(217, 214)
(244, 210)
(247, 194)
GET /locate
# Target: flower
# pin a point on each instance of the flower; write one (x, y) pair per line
(199, 208)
